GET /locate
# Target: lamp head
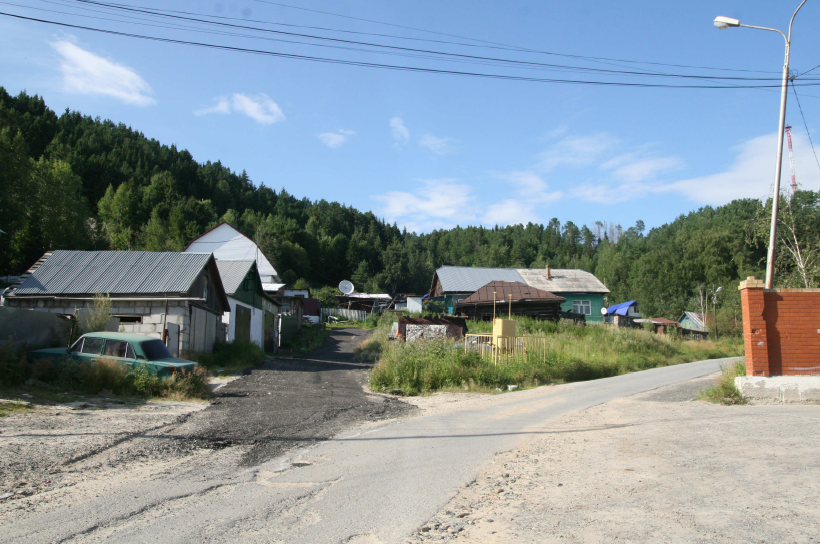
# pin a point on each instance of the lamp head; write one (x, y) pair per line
(719, 289)
(725, 22)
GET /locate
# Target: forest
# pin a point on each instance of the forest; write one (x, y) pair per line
(77, 182)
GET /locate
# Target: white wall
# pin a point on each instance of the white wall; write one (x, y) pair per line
(257, 322)
(414, 305)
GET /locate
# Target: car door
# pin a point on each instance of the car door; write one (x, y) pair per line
(91, 348)
(121, 351)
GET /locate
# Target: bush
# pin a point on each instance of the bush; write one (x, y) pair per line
(231, 357)
(724, 390)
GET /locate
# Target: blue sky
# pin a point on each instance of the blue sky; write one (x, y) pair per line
(434, 151)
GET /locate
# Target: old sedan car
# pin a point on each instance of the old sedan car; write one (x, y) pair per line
(127, 348)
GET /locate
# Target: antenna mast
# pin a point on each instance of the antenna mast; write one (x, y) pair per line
(791, 157)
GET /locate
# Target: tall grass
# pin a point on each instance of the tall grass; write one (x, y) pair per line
(230, 357)
(724, 390)
(568, 353)
(102, 375)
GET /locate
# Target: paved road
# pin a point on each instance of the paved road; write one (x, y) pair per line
(375, 483)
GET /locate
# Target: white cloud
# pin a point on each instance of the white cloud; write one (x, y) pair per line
(260, 108)
(399, 131)
(438, 203)
(751, 175)
(87, 73)
(222, 106)
(640, 166)
(439, 146)
(576, 151)
(335, 139)
(531, 191)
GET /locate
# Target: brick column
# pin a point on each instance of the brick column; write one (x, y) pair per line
(754, 327)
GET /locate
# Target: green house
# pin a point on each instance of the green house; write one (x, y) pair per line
(583, 291)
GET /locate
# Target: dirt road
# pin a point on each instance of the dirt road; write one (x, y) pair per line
(657, 467)
(282, 404)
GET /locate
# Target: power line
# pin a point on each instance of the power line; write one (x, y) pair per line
(424, 51)
(805, 123)
(432, 52)
(506, 46)
(395, 67)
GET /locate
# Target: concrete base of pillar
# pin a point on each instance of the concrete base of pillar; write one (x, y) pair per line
(780, 389)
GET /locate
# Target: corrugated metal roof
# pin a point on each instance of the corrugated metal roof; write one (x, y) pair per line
(114, 272)
(468, 279)
(227, 243)
(697, 319)
(232, 273)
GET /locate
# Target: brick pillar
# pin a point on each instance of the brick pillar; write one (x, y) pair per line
(754, 327)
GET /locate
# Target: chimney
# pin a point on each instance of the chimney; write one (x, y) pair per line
(549, 273)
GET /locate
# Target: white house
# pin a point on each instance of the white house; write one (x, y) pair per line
(228, 244)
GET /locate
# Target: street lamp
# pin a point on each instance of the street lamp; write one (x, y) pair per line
(726, 22)
(714, 306)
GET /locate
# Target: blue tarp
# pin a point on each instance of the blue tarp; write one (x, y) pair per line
(620, 309)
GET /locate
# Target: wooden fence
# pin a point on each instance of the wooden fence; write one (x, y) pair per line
(526, 347)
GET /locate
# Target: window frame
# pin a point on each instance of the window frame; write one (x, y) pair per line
(582, 304)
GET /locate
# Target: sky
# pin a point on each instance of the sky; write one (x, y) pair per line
(431, 150)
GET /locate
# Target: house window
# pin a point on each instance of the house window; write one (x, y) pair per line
(582, 307)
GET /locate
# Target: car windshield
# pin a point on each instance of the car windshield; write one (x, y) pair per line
(155, 349)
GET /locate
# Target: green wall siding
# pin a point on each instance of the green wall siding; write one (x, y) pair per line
(596, 301)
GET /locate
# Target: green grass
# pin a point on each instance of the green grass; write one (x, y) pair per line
(309, 338)
(230, 357)
(724, 390)
(569, 353)
(10, 407)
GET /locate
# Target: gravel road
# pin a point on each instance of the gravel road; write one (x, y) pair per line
(281, 404)
(286, 403)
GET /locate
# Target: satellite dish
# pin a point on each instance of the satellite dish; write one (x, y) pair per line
(346, 287)
(603, 311)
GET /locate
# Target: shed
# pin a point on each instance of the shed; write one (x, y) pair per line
(624, 314)
(178, 296)
(520, 297)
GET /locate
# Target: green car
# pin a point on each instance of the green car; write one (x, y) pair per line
(127, 348)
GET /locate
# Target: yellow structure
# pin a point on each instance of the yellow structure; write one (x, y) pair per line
(503, 336)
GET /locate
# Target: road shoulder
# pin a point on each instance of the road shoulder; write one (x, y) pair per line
(654, 467)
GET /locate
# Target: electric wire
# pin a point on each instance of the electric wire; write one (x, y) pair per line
(805, 123)
(511, 47)
(389, 66)
(432, 52)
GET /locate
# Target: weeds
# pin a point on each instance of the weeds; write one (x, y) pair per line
(567, 353)
(10, 407)
(724, 390)
(230, 357)
(55, 378)
(308, 339)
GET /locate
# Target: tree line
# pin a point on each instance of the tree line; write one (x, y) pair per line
(76, 182)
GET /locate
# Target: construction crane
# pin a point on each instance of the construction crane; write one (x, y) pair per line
(791, 157)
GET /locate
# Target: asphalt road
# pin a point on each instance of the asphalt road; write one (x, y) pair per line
(377, 482)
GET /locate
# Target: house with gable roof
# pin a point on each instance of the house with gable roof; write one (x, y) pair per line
(583, 293)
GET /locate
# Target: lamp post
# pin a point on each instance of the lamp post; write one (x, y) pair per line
(726, 22)
(714, 307)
